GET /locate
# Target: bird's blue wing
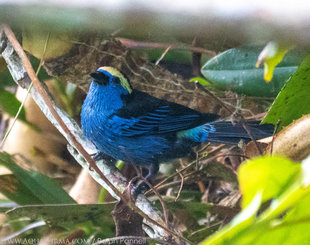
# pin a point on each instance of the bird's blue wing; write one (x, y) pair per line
(154, 116)
(157, 122)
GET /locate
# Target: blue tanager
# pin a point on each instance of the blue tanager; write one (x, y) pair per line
(133, 126)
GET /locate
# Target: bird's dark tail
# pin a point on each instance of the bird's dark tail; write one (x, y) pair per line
(227, 133)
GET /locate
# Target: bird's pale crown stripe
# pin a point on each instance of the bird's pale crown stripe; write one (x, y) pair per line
(116, 73)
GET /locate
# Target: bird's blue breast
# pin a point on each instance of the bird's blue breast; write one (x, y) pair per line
(139, 150)
(104, 132)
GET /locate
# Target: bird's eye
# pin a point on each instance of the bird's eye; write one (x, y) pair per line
(116, 80)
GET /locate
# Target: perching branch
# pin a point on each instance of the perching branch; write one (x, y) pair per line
(107, 176)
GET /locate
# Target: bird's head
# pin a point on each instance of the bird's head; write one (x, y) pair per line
(110, 78)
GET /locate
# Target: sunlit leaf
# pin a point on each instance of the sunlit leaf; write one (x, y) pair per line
(293, 101)
(286, 220)
(46, 45)
(271, 56)
(237, 225)
(266, 174)
(200, 80)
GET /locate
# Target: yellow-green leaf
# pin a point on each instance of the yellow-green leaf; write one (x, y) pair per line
(46, 45)
(272, 55)
(267, 174)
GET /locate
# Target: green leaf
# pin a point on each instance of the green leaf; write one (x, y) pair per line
(293, 101)
(16, 191)
(295, 225)
(286, 220)
(5, 76)
(237, 225)
(46, 44)
(288, 214)
(200, 80)
(235, 70)
(65, 215)
(266, 174)
(10, 104)
(42, 73)
(42, 187)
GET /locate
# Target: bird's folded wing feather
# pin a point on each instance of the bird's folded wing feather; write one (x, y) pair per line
(156, 116)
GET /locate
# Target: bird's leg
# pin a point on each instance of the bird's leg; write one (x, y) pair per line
(153, 169)
(143, 187)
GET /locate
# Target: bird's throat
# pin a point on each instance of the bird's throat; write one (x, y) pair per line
(102, 101)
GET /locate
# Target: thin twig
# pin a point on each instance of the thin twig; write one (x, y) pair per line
(160, 199)
(162, 55)
(173, 175)
(181, 186)
(15, 118)
(135, 44)
(273, 137)
(161, 184)
(186, 167)
(168, 185)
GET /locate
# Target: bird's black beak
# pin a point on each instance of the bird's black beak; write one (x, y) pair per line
(100, 78)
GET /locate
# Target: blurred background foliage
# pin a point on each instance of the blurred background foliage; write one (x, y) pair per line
(46, 195)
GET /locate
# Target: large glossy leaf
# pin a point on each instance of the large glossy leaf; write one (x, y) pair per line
(42, 187)
(235, 70)
(293, 101)
(65, 214)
